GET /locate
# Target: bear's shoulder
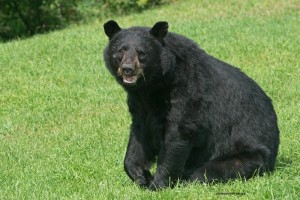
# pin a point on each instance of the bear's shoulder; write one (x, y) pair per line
(182, 46)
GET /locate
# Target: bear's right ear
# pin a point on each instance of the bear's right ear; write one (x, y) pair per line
(160, 30)
(111, 28)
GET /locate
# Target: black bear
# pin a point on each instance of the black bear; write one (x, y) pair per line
(201, 118)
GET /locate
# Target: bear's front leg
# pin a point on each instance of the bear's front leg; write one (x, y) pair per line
(137, 162)
(171, 161)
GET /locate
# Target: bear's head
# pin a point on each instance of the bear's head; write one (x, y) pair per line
(133, 55)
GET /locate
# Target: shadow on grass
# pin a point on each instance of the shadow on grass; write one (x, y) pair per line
(283, 162)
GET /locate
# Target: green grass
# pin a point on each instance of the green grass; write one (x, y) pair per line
(64, 121)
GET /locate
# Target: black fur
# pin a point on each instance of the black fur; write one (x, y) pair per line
(202, 118)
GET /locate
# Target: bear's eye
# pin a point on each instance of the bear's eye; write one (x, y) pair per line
(121, 51)
(141, 54)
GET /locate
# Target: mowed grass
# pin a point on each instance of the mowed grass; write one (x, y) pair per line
(64, 121)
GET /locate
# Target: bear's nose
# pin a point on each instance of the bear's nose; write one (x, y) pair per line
(127, 69)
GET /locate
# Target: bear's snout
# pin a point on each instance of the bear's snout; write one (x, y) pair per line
(128, 69)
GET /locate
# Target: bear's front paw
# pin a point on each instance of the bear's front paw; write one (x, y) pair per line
(145, 180)
(158, 185)
(142, 182)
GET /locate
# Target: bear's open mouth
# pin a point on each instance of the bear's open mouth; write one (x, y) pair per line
(130, 80)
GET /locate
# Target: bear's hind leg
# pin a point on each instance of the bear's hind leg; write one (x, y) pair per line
(243, 165)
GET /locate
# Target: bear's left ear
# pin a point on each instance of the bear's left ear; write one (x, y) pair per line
(160, 30)
(111, 28)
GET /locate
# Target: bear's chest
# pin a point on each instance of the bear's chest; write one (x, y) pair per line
(153, 116)
(150, 112)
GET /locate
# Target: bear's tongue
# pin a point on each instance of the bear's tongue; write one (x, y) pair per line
(129, 79)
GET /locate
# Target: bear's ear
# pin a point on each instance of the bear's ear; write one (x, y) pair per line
(111, 28)
(160, 30)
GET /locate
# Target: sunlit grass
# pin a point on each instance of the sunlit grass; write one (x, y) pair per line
(64, 121)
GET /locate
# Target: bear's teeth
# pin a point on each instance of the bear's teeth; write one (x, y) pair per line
(129, 80)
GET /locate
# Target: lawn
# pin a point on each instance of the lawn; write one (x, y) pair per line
(64, 121)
